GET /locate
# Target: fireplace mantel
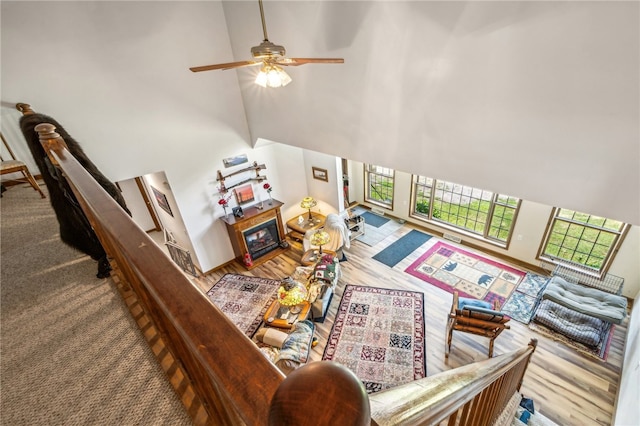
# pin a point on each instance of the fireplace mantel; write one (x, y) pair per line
(254, 218)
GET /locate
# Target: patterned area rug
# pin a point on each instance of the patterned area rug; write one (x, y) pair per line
(450, 268)
(379, 335)
(523, 302)
(244, 299)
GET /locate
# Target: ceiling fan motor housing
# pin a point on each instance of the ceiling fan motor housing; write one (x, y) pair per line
(267, 49)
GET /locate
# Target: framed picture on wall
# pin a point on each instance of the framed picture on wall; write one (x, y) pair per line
(234, 161)
(320, 174)
(244, 194)
(161, 199)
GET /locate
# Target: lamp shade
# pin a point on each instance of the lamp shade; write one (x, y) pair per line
(320, 238)
(272, 76)
(308, 202)
(291, 292)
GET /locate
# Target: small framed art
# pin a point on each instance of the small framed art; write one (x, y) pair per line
(320, 174)
(234, 161)
(244, 194)
(162, 201)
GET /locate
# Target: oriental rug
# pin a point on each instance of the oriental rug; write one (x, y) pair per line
(450, 268)
(244, 299)
(379, 334)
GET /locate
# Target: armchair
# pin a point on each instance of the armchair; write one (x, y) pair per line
(476, 317)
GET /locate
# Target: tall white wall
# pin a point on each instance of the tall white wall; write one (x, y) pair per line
(536, 99)
(115, 75)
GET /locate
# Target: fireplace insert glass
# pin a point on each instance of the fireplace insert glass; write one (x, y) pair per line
(262, 238)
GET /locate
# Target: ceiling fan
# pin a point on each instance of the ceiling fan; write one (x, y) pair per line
(271, 57)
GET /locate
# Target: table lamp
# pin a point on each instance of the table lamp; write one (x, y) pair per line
(319, 238)
(308, 203)
(292, 293)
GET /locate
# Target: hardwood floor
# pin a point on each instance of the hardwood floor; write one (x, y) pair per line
(566, 386)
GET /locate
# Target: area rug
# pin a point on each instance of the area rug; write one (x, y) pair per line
(450, 268)
(403, 247)
(244, 299)
(379, 335)
(374, 219)
(373, 235)
(522, 303)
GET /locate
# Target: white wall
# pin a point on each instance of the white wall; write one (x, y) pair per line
(539, 99)
(115, 75)
(627, 408)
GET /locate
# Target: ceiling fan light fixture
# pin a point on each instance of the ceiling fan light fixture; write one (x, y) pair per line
(272, 76)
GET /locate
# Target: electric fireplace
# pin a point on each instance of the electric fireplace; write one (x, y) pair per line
(261, 239)
(258, 236)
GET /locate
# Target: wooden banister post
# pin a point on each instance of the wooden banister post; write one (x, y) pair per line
(50, 140)
(321, 393)
(25, 109)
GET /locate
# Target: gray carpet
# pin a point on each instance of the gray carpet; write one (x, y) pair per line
(71, 352)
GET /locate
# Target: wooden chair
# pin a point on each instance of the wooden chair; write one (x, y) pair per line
(480, 319)
(17, 166)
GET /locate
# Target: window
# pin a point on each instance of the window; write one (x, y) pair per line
(582, 239)
(474, 211)
(379, 181)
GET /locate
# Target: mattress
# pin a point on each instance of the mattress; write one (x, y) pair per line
(575, 325)
(589, 301)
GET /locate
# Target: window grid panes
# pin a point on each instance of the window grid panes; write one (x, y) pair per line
(582, 239)
(380, 182)
(482, 213)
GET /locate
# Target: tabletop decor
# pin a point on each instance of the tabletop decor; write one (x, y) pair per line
(320, 238)
(224, 201)
(268, 188)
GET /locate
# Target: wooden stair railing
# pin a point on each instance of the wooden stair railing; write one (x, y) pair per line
(237, 384)
(474, 394)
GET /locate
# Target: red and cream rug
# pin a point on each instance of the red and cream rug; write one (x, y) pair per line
(244, 299)
(378, 334)
(450, 268)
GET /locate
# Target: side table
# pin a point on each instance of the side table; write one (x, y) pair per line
(297, 230)
(311, 257)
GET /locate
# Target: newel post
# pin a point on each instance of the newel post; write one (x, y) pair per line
(321, 393)
(50, 140)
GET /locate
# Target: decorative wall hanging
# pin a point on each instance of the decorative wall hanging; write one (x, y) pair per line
(162, 201)
(234, 161)
(244, 194)
(320, 174)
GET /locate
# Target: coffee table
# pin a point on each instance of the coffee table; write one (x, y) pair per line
(280, 316)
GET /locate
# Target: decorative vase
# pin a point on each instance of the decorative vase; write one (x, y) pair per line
(224, 206)
(270, 199)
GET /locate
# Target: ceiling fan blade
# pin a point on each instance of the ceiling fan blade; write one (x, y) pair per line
(302, 61)
(226, 66)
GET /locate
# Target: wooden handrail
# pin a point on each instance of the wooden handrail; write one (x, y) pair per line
(435, 398)
(234, 380)
(237, 384)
